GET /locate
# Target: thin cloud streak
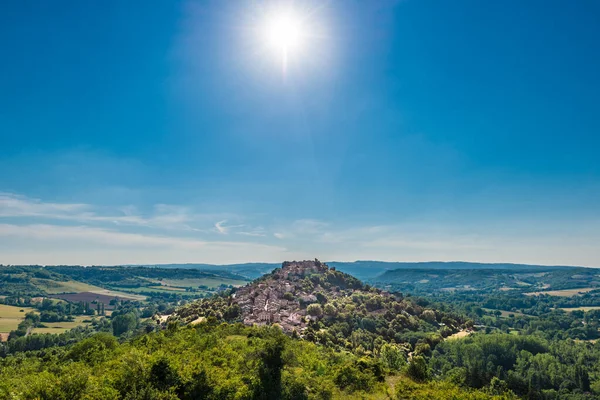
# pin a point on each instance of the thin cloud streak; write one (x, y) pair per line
(133, 247)
(163, 216)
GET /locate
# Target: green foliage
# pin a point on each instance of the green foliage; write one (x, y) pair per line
(417, 369)
(219, 361)
(93, 350)
(315, 310)
(525, 365)
(392, 356)
(124, 323)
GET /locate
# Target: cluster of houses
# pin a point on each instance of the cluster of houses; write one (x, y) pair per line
(278, 299)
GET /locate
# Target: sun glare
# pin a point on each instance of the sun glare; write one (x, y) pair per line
(293, 37)
(283, 32)
(284, 35)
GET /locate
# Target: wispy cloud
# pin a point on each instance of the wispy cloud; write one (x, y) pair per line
(221, 228)
(256, 232)
(13, 205)
(162, 216)
(88, 245)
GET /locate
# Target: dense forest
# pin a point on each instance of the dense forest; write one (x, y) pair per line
(217, 361)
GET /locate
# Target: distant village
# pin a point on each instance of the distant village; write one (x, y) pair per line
(279, 300)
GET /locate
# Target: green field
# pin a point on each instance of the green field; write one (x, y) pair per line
(564, 292)
(162, 289)
(59, 287)
(61, 327)
(194, 283)
(583, 308)
(11, 317)
(117, 293)
(505, 314)
(56, 287)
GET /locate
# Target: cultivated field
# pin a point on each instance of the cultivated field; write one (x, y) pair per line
(115, 293)
(589, 308)
(56, 287)
(11, 316)
(564, 292)
(503, 313)
(91, 297)
(158, 289)
(194, 283)
(61, 327)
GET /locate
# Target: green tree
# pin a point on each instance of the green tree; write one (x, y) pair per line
(417, 369)
(124, 323)
(315, 310)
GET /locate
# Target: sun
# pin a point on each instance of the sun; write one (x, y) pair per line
(285, 35)
(283, 31)
(291, 36)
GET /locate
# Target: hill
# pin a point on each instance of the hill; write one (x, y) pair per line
(364, 270)
(311, 300)
(432, 280)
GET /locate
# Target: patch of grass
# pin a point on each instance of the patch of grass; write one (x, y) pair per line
(56, 287)
(11, 317)
(14, 311)
(61, 327)
(9, 324)
(505, 314)
(564, 292)
(583, 308)
(458, 335)
(116, 293)
(158, 289)
(208, 282)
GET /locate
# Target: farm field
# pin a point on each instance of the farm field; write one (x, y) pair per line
(116, 293)
(157, 289)
(194, 283)
(164, 288)
(90, 297)
(56, 287)
(11, 316)
(61, 327)
(564, 292)
(504, 314)
(583, 308)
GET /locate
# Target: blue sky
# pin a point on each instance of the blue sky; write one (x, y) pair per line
(404, 130)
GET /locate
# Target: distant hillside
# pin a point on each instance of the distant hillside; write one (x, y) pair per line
(38, 281)
(364, 270)
(248, 270)
(525, 278)
(322, 304)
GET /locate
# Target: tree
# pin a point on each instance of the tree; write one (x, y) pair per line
(428, 315)
(330, 310)
(315, 310)
(392, 357)
(124, 323)
(163, 376)
(417, 369)
(269, 370)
